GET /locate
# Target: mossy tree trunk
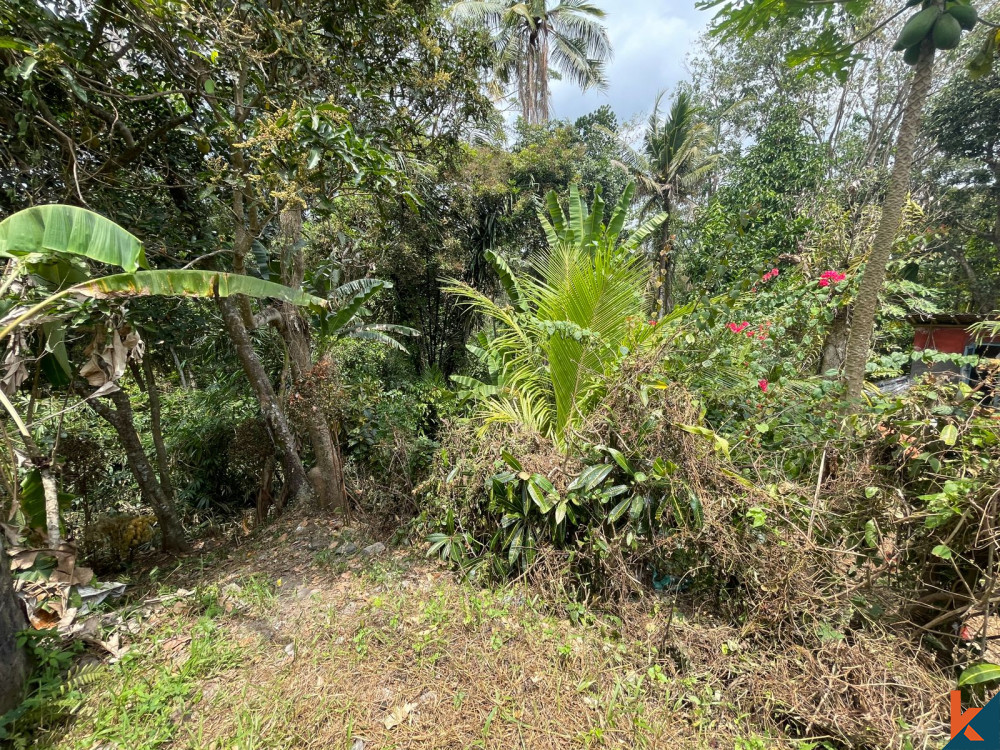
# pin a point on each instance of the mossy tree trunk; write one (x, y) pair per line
(866, 304)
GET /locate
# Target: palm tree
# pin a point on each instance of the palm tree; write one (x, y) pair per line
(572, 311)
(537, 39)
(673, 162)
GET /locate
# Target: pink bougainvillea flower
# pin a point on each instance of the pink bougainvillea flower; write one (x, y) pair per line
(769, 275)
(828, 278)
(763, 384)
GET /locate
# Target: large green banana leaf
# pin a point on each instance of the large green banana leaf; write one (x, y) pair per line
(75, 231)
(168, 283)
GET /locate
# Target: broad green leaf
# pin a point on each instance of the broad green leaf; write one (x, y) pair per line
(619, 510)
(55, 362)
(979, 673)
(189, 283)
(346, 312)
(949, 434)
(620, 459)
(871, 534)
(539, 497)
(512, 462)
(590, 477)
(943, 551)
(33, 500)
(75, 231)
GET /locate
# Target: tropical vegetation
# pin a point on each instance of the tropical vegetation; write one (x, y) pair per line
(339, 366)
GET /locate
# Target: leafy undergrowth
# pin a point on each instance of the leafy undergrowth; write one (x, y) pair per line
(285, 643)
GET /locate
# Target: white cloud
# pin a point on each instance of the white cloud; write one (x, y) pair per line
(651, 41)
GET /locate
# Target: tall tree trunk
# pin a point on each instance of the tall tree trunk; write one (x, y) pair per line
(295, 330)
(274, 416)
(13, 659)
(665, 268)
(866, 304)
(146, 380)
(122, 419)
(835, 343)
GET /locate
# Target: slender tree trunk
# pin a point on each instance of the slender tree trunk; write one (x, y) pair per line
(866, 304)
(13, 659)
(122, 419)
(274, 416)
(147, 382)
(295, 331)
(51, 492)
(665, 269)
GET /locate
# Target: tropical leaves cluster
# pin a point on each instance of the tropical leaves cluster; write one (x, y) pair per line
(575, 310)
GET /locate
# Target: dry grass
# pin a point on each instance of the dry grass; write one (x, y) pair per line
(390, 651)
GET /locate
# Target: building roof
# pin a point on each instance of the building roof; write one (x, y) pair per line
(947, 319)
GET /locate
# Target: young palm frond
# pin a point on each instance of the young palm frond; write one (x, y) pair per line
(575, 308)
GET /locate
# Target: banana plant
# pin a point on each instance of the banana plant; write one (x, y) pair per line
(344, 318)
(62, 233)
(53, 242)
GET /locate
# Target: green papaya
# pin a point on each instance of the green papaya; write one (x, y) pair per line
(964, 14)
(947, 33)
(917, 28)
(912, 54)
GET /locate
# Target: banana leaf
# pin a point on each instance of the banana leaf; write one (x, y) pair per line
(191, 283)
(75, 231)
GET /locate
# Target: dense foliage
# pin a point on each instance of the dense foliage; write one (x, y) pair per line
(259, 254)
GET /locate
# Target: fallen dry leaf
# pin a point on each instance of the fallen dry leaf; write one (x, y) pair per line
(398, 715)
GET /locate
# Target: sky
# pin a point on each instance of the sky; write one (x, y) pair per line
(651, 41)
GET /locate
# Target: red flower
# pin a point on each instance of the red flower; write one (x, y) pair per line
(652, 322)
(828, 278)
(769, 275)
(763, 385)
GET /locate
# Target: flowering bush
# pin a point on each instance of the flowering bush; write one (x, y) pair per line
(829, 278)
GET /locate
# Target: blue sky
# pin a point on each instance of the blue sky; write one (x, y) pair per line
(651, 40)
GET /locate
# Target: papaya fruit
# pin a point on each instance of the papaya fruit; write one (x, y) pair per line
(917, 28)
(912, 54)
(964, 14)
(947, 32)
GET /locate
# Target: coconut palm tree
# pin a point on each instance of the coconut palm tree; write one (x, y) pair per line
(674, 160)
(571, 314)
(538, 39)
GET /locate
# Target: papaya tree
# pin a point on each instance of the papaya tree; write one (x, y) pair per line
(936, 25)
